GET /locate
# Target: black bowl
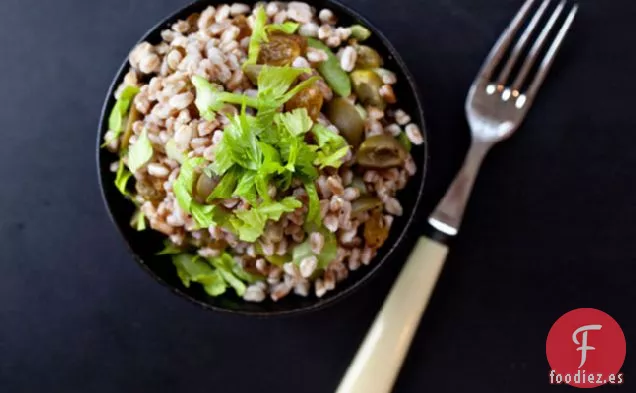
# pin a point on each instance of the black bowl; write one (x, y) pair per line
(145, 245)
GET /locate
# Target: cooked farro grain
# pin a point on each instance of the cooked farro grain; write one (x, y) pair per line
(393, 129)
(386, 91)
(339, 269)
(239, 9)
(316, 55)
(388, 77)
(324, 32)
(329, 279)
(254, 293)
(273, 222)
(348, 58)
(414, 134)
(309, 30)
(327, 16)
(308, 266)
(272, 9)
(401, 117)
(302, 288)
(279, 291)
(320, 287)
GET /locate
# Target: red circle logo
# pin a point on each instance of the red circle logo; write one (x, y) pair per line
(586, 349)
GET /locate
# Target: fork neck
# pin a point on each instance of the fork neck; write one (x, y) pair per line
(448, 214)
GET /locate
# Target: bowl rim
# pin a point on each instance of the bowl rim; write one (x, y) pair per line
(372, 270)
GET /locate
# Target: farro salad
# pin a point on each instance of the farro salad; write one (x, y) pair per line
(265, 143)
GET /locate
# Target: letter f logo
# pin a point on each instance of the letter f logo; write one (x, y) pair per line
(584, 347)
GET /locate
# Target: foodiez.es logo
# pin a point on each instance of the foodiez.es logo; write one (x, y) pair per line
(586, 349)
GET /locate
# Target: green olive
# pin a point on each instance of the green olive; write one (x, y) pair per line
(381, 151)
(375, 230)
(204, 187)
(368, 58)
(253, 71)
(366, 85)
(365, 204)
(344, 115)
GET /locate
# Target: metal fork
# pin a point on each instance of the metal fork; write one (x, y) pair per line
(495, 107)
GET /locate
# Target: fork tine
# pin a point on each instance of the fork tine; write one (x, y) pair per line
(548, 59)
(498, 51)
(536, 48)
(521, 44)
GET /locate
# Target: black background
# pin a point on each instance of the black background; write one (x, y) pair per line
(550, 226)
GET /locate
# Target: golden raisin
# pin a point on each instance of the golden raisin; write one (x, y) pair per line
(375, 230)
(280, 50)
(299, 39)
(309, 98)
(150, 189)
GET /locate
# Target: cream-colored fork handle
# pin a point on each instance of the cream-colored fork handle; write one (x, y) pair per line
(380, 357)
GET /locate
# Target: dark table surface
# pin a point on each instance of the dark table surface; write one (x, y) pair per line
(550, 227)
